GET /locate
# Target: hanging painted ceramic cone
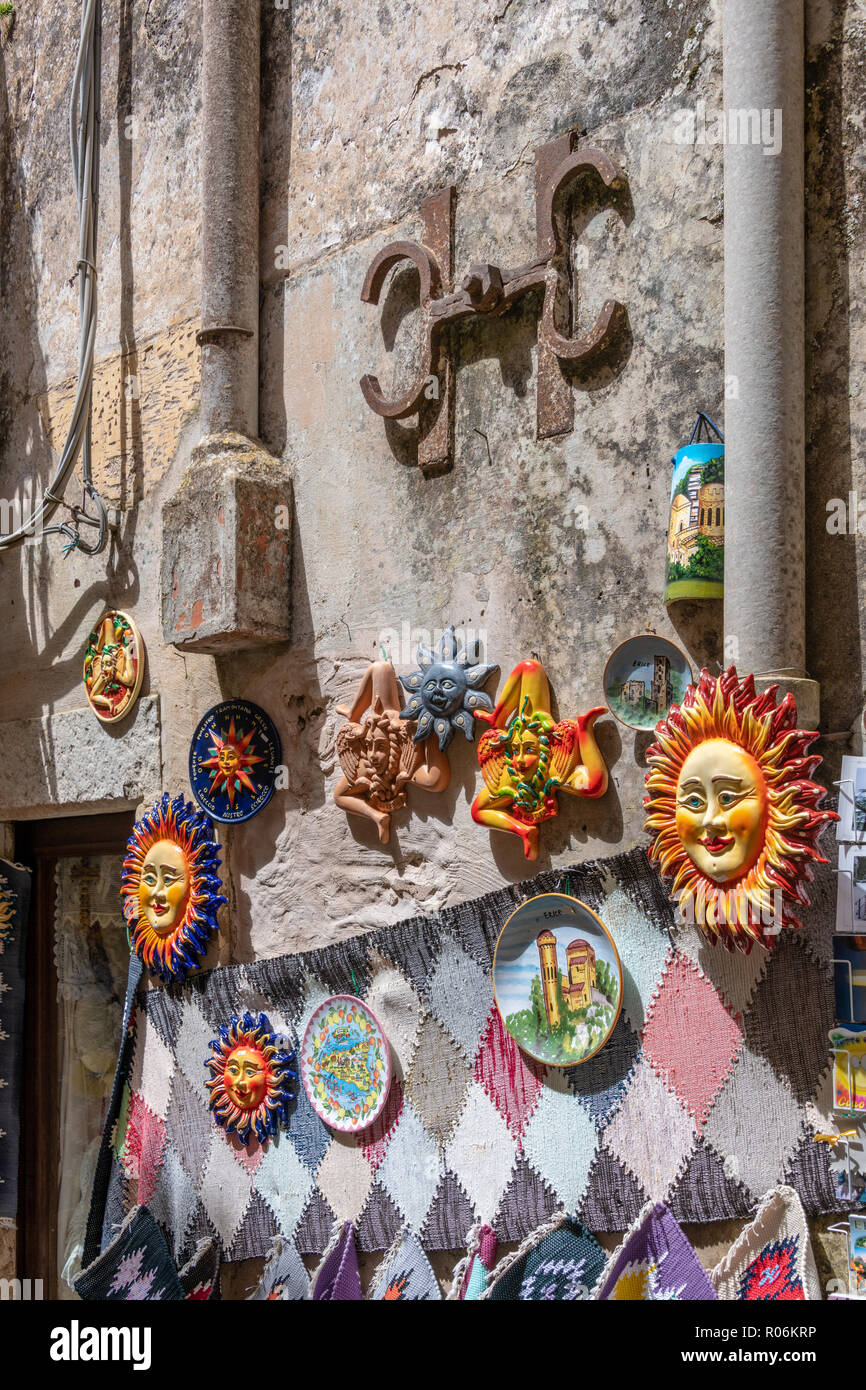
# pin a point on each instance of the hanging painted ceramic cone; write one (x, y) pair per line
(696, 525)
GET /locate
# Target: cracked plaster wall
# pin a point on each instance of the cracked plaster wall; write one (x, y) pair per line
(554, 547)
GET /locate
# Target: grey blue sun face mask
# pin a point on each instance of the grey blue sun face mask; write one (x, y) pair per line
(447, 689)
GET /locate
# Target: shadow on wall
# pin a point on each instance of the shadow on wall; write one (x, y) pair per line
(284, 681)
(700, 625)
(276, 155)
(834, 639)
(28, 459)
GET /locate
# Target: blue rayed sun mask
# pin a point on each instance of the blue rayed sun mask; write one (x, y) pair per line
(445, 692)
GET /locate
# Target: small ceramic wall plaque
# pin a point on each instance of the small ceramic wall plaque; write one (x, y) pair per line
(250, 1085)
(346, 1063)
(557, 979)
(113, 666)
(233, 758)
(643, 677)
(526, 756)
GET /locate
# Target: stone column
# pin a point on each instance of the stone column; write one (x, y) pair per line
(226, 557)
(765, 600)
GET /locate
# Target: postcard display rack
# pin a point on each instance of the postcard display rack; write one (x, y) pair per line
(848, 1038)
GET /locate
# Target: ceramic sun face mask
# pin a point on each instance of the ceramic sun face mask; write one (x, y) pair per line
(446, 690)
(249, 1088)
(170, 887)
(733, 809)
(526, 756)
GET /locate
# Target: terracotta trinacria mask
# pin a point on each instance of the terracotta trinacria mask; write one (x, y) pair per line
(170, 887)
(249, 1088)
(378, 754)
(733, 809)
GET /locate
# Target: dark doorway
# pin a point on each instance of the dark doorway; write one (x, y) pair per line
(42, 845)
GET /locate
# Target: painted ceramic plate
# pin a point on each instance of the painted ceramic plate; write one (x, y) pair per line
(113, 666)
(346, 1063)
(643, 678)
(557, 979)
(233, 760)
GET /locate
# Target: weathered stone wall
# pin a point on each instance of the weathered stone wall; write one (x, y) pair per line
(835, 357)
(146, 380)
(553, 547)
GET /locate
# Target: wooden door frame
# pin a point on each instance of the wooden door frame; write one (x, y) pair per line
(39, 844)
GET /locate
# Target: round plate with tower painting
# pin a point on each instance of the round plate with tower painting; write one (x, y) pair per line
(557, 979)
(643, 677)
(233, 760)
(346, 1063)
(113, 666)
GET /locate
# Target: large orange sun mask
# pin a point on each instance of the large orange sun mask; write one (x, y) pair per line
(246, 1077)
(163, 890)
(170, 887)
(251, 1073)
(733, 810)
(721, 815)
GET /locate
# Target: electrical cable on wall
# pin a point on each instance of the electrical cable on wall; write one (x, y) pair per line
(84, 117)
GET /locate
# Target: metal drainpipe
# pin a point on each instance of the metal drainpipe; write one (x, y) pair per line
(230, 216)
(226, 567)
(765, 598)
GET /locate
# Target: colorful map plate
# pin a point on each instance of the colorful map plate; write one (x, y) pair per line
(557, 979)
(643, 677)
(233, 758)
(346, 1063)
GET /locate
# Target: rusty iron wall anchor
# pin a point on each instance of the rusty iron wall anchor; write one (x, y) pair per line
(490, 290)
(215, 330)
